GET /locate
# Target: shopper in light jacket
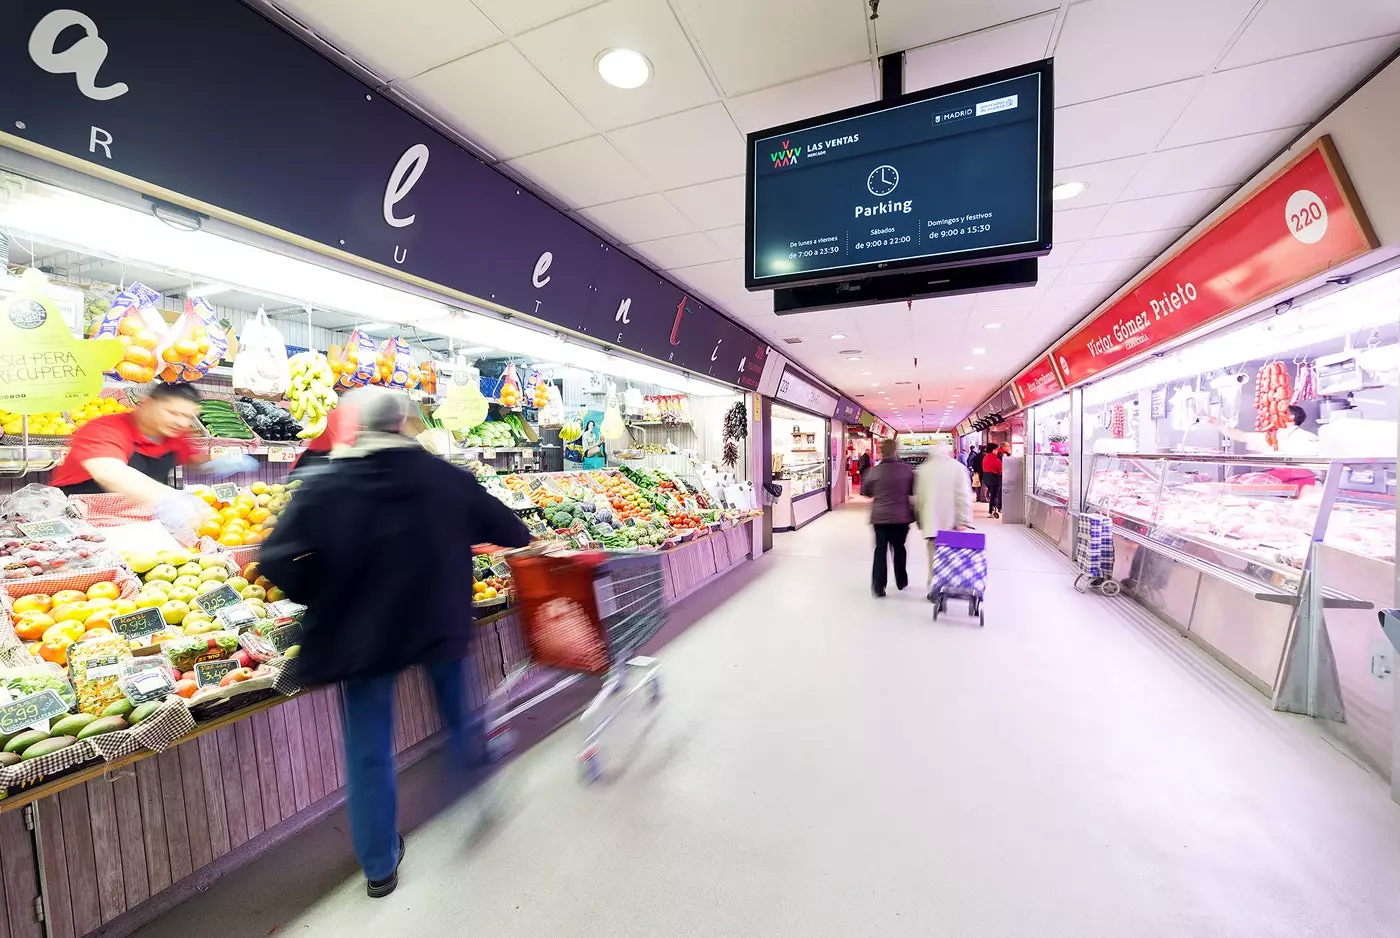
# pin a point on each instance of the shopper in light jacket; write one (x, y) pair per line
(942, 498)
(891, 485)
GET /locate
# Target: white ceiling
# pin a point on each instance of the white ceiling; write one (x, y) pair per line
(1163, 107)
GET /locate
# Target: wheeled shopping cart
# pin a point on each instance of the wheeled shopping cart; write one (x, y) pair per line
(959, 571)
(1093, 554)
(588, 613)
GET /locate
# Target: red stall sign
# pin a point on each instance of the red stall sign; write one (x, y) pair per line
(1037, 382)
(1302, 222)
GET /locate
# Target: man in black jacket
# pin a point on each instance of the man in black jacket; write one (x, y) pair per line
(379, 549)
(974, 466)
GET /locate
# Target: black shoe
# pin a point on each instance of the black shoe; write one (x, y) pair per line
(878, 594)
(379, 888)
(902, 588)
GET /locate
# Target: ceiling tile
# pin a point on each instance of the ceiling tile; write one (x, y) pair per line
(684, 149)
(730, 241)
(1111, 272)
(397, 40)
(1104, 45)
(1143, 245)
(565, 51)
(722, 277)
(1288, 27)
(516, 16)
(751, 45)
(480, 95)
(717, 204)
(1106, 180)
(585, 172)
(975, 53)
(1165, 211)
(1023, 296)
(808, 97)
(641, 219)
(909, 25)
(1076, 224)
(1123, 125)
(1277, 94)
(1062, 254)
(1229, 162)
(685, 250)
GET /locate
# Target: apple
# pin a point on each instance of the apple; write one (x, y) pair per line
(174, 611)
(275, 594)
(244, 659)
(189, 569)
(162, 571)
(184, 594)
(253, 592)
(264, 582)
(201, 627)
(214, 573)
(250, 572)
(237, 676)
(206, 586)
(238, 583)
(212, 560)
(176, 558)
(150, 600)
(191, 581)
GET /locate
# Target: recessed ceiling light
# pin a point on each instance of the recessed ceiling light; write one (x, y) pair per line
(865, 372)
(1068, 190)
(623, 68)
(967, 367)
(838, 335)
(853, 358)
(991, 325)
(874, 384)
(979, 351)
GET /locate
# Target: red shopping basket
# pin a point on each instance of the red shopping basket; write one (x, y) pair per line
(587, 612)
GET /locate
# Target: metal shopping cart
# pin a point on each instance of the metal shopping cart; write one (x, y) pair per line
(1093, 554)
(959, 571)
(588, 613)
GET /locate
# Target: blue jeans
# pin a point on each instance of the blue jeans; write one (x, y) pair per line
(369, 756)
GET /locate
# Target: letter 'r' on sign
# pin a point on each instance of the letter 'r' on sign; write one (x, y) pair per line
(401, 182)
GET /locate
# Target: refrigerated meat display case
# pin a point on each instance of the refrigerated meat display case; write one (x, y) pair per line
(1047, 509)
(1237, 552)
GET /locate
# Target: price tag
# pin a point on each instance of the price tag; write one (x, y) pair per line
(286, 609)
(225, 491)
(281, 454)
(210, 673)
(500, 568)
(224, 452)
(46, 529)
(216, 599)
(285, 637)
(237, 617)
(139, 624)
(34, 710)
(488, 454)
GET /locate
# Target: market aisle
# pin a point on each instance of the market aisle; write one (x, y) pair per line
(826, 764)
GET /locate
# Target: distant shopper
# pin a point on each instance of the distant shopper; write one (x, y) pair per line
(991, 479)
(974, 468)
(891, 485)
(942, 498)
(863, 463)
(340, 550)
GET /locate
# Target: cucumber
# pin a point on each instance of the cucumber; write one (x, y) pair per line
(143, 711)
(8, 759)
(119, 709)
(102, 726)
(48, 747)
(19, 742)
(71, 725)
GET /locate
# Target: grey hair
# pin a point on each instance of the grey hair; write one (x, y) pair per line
(379, 410)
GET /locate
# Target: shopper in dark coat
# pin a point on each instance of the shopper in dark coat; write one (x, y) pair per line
(974, 466)
(891, 485)
(379, 549)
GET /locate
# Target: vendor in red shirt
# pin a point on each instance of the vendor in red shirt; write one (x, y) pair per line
(135, 454)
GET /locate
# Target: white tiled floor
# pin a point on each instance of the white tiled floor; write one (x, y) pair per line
(826, 764)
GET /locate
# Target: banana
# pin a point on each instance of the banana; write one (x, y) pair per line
(311, 392)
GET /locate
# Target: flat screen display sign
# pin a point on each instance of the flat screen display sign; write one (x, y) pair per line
(950, 176)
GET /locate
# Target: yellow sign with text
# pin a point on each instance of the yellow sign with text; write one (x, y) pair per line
(462, 407)
(43, 366)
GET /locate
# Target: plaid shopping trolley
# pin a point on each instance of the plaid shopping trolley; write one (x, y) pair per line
(1093, 554)
(959, 571)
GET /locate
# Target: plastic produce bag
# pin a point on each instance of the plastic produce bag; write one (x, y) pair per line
(134, 318)
(355, 365)
(95, 666)
(261, 369)
(393, 363)
(198, 343)
(34, 502)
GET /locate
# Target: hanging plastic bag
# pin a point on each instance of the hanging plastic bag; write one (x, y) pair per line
(199, 343)
(428, 374)
(355, 364)
(510, 388)
(392, 364)
(261, 368)
(134, 318)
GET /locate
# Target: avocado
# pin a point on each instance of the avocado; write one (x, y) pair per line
(47, 747)
(71, 725)
(119, 709)
(102, 726)
(19, 742)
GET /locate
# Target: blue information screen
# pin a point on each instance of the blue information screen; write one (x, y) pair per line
(943, 179)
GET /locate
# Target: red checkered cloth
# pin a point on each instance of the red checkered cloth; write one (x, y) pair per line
(78, 580)
(110, 511)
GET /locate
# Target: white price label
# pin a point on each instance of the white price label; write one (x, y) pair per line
(281, 454)
(223, 452)
(1306, 216)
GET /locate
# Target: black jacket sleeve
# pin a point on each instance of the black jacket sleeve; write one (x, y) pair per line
(289, 556)
(492, 522)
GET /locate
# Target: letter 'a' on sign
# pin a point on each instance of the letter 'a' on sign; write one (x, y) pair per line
(46, 367)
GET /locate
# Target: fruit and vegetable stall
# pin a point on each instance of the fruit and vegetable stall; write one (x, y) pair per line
(152, 735)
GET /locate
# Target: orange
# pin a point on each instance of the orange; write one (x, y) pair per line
(146, 339)
(56, 651)
(130, 325)
(209, 498)
(210, 529)
(138, 355)
(259, 515)
(99, 620)
(229, 512)
(95, 633)
(231, 539)
(64, 597)
(170, 355)
(243, 509)
(252, 537)
(71, 612)
(32, 626)
(34, 602)
(104, 590)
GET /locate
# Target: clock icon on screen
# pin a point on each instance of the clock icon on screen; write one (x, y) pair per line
(882, 180)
